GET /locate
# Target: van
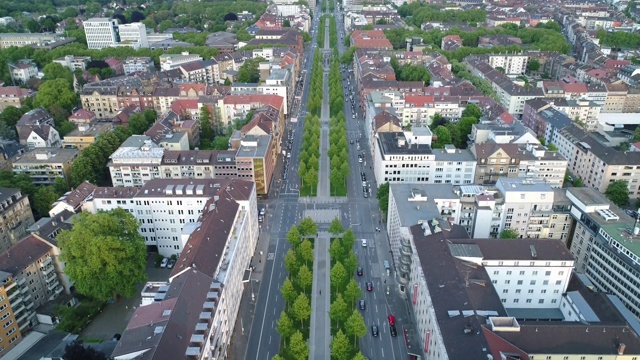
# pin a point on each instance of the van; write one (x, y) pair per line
(386, 265)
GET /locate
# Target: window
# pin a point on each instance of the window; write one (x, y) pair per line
(530, 291)
(533, 282)
(508, 272)
(558, 282)
(528, 301)
(516, 300)
(519, 282)
(546, 282)
(541, 301)
(521, 273)
(507, 282)
(505, 291)
(517, 291)
(547, 273)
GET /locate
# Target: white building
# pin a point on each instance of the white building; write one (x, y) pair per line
(194, 313)
(135, 33)
(512, 64)
(101, 32)
(135, 162)
(73, 63)
(408, 157)
(174, 61)
(524, 202)
(279, 82)
(136, 64)
(23, 71)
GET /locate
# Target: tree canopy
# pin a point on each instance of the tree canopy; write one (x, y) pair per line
(509, 234)
(618, 192)
(104, 254)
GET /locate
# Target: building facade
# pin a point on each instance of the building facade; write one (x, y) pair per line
(16, 217)
(101, 32)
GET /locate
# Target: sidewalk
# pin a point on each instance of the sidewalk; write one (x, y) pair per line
(320, 333)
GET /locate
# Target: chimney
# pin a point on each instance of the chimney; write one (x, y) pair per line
(621, 348)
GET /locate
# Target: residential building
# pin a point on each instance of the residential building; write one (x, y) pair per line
(82, 116)
(208, 276)
(408, 157)
(136, 64)
(174, 61)
(513, 299)
(23, 70)
(16, 217)
(279, 82)
(135, 33)
(596, 164)
(44, 165)
(101, 99)
(256, 160)
(84, 135)
(72, 201)
(494, 161)
(27, 39)
(73, 63)
(36, 130)
(481, 211)
(583, 112)
(167, 138)
(101, 32)
(32, 276)
(604, 245)
(13, 96)
(511, 64)
(370, 39)
(514, 133)
(135, 162)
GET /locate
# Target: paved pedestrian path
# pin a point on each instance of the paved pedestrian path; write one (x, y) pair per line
(320, 334)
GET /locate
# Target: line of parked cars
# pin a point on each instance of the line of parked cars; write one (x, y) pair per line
(167, 263)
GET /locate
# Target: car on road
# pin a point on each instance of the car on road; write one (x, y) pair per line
(171, 264)
(393, 331)
(364, 242)
(374, 330)
(360, 271)
(366, 194)
(164, 263)
(351, 142)
(362, 304)
(263, 210)
(392, 320)
(369, 285)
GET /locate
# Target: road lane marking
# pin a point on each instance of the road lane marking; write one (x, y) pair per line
(264, 316)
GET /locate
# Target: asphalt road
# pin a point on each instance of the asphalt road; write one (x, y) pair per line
(360, 213)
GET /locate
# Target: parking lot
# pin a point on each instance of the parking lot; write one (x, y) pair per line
(114, 317)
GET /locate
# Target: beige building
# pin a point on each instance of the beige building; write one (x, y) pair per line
(16, 217)
(616, 95)
(9, 293)
(596, 164)
(44, 165)
(102, 101)
(84, 135)
(13, 96)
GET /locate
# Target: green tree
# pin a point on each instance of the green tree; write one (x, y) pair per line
(305, 252)
(249, 72)
(288, 292)
(472, 110)
(206, 130)
(285, 327)
(336, 227)
(348, 240)
(618, 192)
(443, 137)
(577, 182)
(339, 311)
(293, 236)
(301, 308)
(414, 73)
(11, 115)
(336, 250)
(509, 234)
(533, 65)
(383, 197)
(298, 346)
(355, 326)
(44, 197)
(307, 227)
(56, 92)
(352, 292)
(54, 71)
(138, 124)
(340, 348)
(350, 263)
(151, 116)
(636, 134)
(278, 357)
(304, 278)
(359, 356)
(552, 147)
(104, 254)
(286, 24)
(76, 351)
(291, 262)
(338, 276)
(7, 132)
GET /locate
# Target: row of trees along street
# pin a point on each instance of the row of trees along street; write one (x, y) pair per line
(347, 324)
(309, 155)
(321, 29)
(293, 325)
(338, 155)
(314, 103)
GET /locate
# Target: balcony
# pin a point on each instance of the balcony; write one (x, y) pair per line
(11, 286)
(21, 281)
(24, 289)
(405, 260)
(22, 317)
(58, 289)
(17, 308)
(13, 294)
(52, 284)
(48, 270)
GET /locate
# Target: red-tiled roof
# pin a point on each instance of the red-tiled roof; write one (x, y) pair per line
(83, 114)
(275, 101)
(181, 105)
(506, 118)
(575, 88)
(418, 100)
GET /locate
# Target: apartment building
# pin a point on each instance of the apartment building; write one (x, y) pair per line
(408, 157)
(534, 209)
(513, 299)
(494, 161)
(44, 165)
(85, 135)
(136, 64)
(581, 111)
(135, 162)
(16, 217)
(32, 277)
(36, 130)
(514, 133)
(23, 70)
(174, 61)
(420, 109)
(195, 311)
(541, 117)
(279, 82)
(411, 204)
(101, 32)
(512, 65)
(481, 211)
(135, 33)
(13, 96)
(604, 245)
(596, 164)
(101, 99)
(73, 63)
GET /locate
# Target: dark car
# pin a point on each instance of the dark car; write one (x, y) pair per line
(374, 330)
(362, 304)
(360, 271)
(369, 286)
(393, 331)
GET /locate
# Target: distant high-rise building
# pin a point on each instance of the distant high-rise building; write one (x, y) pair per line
(101, 32)
(135, 33)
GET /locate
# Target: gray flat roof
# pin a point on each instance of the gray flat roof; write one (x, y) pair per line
(412, 211)
(258, 151)
(389, 144)
(457, 155)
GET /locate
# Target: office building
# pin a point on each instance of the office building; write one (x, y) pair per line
(101, 32)
(135, 33)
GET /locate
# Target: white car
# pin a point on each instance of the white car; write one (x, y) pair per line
(364, 242)
(164, 263)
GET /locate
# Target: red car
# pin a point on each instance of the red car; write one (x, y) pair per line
(369, 286)
(392, 320)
